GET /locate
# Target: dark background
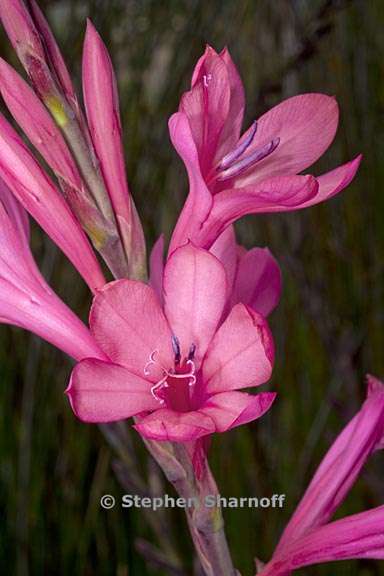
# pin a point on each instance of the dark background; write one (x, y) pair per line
(328, 327)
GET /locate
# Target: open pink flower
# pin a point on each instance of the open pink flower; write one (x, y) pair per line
(253, 276)
(309, 537)
(178, 367)
(26, 300)
(232, 175)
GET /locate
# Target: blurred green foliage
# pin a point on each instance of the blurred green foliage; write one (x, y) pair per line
(328, 328)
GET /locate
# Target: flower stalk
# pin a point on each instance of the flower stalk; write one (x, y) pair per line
(206, 524)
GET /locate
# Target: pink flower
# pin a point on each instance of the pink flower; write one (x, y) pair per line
(309, 537)
(232, 175)
(102, 109)
(26, 300)
(88, 161)
(37, 193)
(178, 367)
(253, 276)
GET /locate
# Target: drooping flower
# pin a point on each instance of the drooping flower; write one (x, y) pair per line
(232, 175)
(178, 367)
(309, 537)
(26, 300)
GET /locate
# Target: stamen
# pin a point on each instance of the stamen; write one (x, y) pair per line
(248, 161)
(192, 351)
(176, 349)
(239, 150)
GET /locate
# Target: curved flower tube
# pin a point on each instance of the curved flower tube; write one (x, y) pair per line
(232, 175)
(309, 537)
(26, 300)
(178, 368)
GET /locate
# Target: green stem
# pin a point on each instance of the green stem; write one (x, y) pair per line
(206, 524)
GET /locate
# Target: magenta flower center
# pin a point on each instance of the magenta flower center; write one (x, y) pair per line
(175, 386)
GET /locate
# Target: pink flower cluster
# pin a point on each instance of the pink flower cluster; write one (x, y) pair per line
(178, 351)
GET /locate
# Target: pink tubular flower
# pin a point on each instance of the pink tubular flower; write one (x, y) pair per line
(26, 300)
(177, 368)
(36, 47)
(102, 109)
(309, 537)
(88, 161)
(37, 193)
(232, 175)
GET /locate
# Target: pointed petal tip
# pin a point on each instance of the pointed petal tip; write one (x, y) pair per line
(90, 29)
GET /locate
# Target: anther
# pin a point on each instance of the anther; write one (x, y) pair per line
(245, 163)
(229, 158)
(192, 351)
(176, 349)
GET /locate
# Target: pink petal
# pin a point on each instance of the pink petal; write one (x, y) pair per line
(166, 424)
(199, 200)
(241, 354)
(104, 392)
(47, 316)
(306, 125)
(226, 250)
(258, 281)
(340, 467)
(38, 125)
(357, 536)
(16, 261)
(25, 298)
(102, 109)
(231, 409)
(273, 195)
(129, 325)
(194, 297)
(156, 267)
(36, 192)
(16, 214)
(231, 131)
(334, 181)
(207, 105)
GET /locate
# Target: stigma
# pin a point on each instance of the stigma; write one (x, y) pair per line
(183, 370)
